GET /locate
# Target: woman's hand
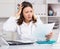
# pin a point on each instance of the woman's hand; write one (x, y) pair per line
(19, 9)
(49, 36)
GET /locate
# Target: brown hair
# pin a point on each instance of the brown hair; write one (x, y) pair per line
(21, 18)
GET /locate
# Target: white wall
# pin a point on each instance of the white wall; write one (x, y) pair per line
(7, 8)
(7, 1)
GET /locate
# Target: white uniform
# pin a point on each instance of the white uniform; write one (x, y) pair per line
(23, 30)
(10, 24)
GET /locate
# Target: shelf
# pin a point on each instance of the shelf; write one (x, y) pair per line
(43, 16)
(53, 10)
(51, 1)
(46, 16)
(53, 16)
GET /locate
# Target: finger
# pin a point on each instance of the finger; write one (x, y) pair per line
(20, 7)
(18, 4)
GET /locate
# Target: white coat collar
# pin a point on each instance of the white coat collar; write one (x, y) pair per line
(25, 24)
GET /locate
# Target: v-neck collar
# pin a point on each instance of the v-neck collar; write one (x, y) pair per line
(27, 24)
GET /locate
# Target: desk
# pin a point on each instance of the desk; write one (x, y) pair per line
(33, 46)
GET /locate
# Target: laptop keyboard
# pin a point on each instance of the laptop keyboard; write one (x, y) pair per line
(18, 43)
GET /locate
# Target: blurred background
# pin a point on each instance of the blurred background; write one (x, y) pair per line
(47, 10)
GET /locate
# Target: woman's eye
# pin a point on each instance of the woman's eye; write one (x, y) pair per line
(27, 12)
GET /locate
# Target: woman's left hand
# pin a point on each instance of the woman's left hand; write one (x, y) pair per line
(49, 36)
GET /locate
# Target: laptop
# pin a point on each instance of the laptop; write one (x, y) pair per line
(3, 42)
(19, 42)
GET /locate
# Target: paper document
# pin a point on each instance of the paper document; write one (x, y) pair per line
(42, 30)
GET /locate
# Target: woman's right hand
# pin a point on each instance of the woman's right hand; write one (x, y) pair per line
(19, 9)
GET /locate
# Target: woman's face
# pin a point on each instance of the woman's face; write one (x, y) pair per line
(28, 13)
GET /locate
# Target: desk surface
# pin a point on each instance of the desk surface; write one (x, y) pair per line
(33, 46)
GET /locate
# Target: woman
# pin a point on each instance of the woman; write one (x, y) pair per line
(24, 21)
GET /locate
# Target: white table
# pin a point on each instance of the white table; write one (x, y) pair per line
(34, 46)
